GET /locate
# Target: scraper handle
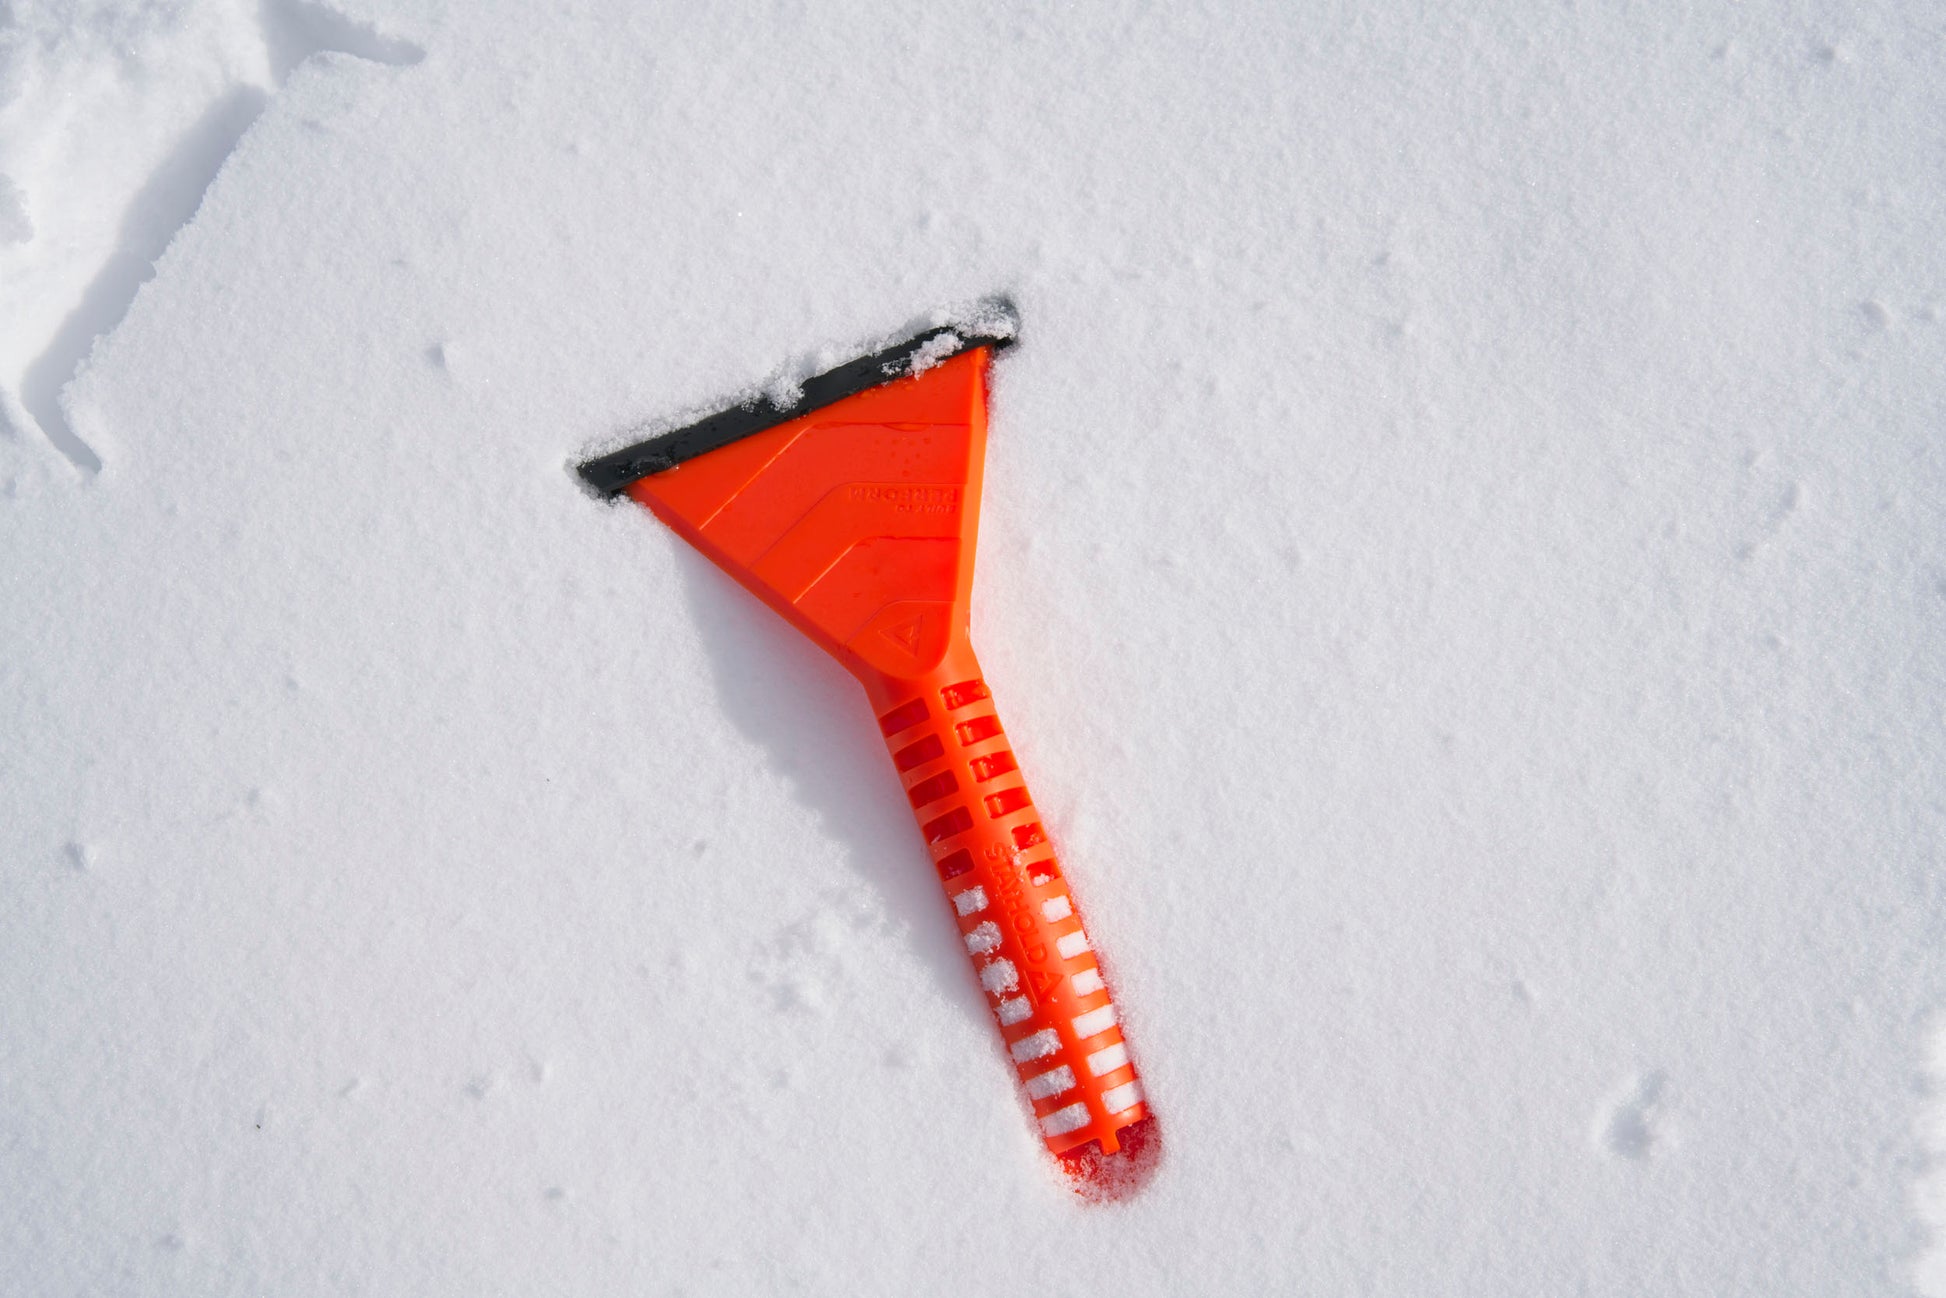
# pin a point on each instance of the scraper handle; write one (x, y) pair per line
(1018, 919)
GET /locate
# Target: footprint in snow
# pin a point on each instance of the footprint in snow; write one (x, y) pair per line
(1633, 1123)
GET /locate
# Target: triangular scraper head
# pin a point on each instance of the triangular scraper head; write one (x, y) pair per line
(856, 521)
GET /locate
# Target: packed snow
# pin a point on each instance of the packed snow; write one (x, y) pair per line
(1461, 566)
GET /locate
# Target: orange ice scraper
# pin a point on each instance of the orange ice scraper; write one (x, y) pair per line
(852, 510)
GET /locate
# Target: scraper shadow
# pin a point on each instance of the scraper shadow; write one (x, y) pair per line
(816, 728)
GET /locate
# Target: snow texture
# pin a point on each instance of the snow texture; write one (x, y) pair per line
(1462, 568)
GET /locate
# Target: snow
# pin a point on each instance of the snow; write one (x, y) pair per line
(1062, 1121)
(1054, 1081)
(1095, 1021)
(997, 976)
(983, 938)
(1108, 1059)
(1038, 1046)
(1460, 567)
(1118, 1098)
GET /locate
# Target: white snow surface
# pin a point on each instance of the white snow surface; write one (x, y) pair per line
(1462, 568)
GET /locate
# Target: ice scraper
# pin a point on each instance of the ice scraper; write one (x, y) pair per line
(850, 506)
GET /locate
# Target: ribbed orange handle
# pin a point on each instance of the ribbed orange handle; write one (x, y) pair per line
(1018, 919)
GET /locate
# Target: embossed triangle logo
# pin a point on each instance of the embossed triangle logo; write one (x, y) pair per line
(905, 634)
